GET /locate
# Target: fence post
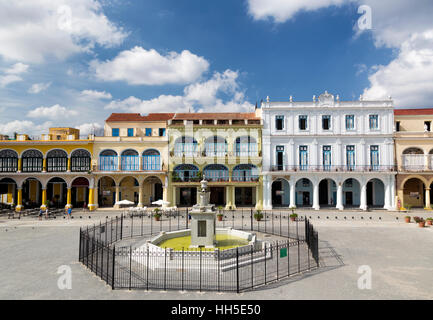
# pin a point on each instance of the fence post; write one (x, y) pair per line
(288, 259)
(113, 273)
(200, 268)
(121, 226)
(80, 249)
(147, 269)
(265, 260)
(278, 273)
(317, 249)
(186, 217)
(130, 266)
(252, 270)
(165, 269)
(219, 272)
(299, 262)
(183, 268)
(237, 269)
(132, 225)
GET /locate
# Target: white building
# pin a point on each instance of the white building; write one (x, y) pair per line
(328, 153)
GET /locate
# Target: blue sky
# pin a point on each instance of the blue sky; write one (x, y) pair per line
(74, 62)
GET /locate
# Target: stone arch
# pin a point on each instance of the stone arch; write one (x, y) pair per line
(31, 192)
(328, 192)
(8, 191)
(414, 191)
(304, 192)
(351, 192)
(376, 192)
(280, 192)
(106, 191)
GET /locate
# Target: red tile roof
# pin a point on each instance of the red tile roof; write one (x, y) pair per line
(216, 116)
(413, 112)
(120, 117)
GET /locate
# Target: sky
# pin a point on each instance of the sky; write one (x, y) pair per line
(74, 62)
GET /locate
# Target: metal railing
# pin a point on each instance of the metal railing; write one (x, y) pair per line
(334, 168)
(123, 266)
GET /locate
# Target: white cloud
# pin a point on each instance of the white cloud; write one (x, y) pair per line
(283, 10)
(11, 74)
(95, 95)
(397, 24)
(39, 87)
(90, 128)
(200, 97)
(139, 66)
(23, 127)
(54, 112)
(35, 30)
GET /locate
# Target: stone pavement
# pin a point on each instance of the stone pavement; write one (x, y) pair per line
(398, 254)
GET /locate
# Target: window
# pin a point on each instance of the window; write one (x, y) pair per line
(374, 157)
(350, 122)
(130, 132)
(303, 157)
(303, 122)
(280, 157)
(427, 126)
(350, 157)
(279, 122)
(327, 158)
(162, 132)
(374, 122)
(148, 132)
(397, 126)
(115, 132)
(326, 122)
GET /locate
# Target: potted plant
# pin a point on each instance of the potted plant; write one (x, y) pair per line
(429, 221)
(417, 219)
(220, 215)
(258, 215)
(293, 216)
(421, 223)
(157, 214)
(407, 219)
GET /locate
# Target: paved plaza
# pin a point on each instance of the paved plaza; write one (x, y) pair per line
(398, 254)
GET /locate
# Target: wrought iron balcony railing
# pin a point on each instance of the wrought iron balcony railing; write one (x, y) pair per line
(334, 168)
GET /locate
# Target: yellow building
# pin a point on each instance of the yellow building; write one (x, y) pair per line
(223, 147)
(131, 159)
(51, 170)
(414, 157)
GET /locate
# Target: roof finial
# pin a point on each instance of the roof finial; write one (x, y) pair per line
(267, 99)
(291, 98)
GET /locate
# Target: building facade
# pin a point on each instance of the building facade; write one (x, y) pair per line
(223, 147)
(414, 157)
(53, 170)
(328, 153)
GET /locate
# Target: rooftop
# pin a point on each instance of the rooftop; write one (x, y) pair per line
(136, 117)
(413, 112)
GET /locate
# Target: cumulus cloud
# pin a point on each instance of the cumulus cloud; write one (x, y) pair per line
(283, 10)
(199, 97)
(33, 31)
(90, 128)
(397, 24)
(54, 112)
(12, 73)
(95, 95)
(39, 87)
(139, 66)
(23, 127)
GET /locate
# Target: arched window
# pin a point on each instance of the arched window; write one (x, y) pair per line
(245, 172)
(186, 173)
(246, 146)
(216, 147)
(80, 160)
(151, 160)
(57, 161)
(216, 172)
(130, 160)
(32, 161)
(185, 146)
(8, 161)
(108, 160)
(413, 159)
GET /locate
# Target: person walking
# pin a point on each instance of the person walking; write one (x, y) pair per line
(41, 212)
(69, 211)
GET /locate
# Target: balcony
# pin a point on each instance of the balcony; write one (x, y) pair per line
(417, 162)
(128, 163)
(334, 168)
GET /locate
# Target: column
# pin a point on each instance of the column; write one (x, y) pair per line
(340, 196)
(19, 206)
(387, 202)
(363, 200)
(44, 198)
(427, 198)
(259, 195)
(267, 203)
(95, 198)
(117, 194)
(91, 204)
(69, 164)
(69, 198)
(232, 191)
(19, 165)
(292, 193)
(140, 196)
(316, 205)
(228, 198)
(44, 165)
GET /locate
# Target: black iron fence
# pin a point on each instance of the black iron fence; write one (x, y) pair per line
(116, 251)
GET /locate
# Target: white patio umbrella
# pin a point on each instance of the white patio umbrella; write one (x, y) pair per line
(125, 202)
(161, 203)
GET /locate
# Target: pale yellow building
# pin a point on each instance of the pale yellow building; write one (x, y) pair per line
(414, 157)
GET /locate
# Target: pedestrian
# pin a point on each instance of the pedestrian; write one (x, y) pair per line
(41, 212)
(46, 213)
(69, 212)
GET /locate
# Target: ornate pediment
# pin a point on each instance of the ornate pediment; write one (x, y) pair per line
(326, 99)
